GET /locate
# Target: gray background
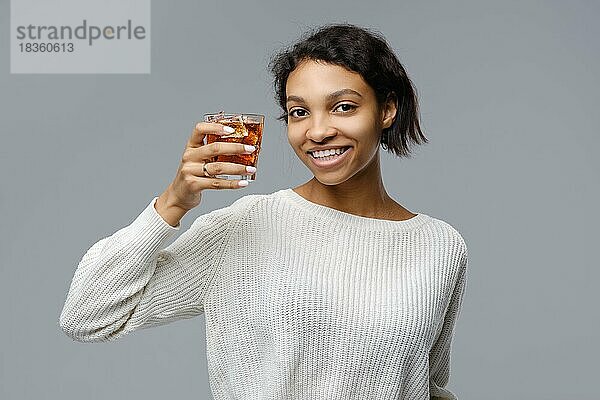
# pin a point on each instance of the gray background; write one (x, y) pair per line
(509, 96)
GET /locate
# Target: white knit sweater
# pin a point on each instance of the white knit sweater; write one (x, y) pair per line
(301, 301)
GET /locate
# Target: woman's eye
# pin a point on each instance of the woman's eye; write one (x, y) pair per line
(349, 107)
(291, 113)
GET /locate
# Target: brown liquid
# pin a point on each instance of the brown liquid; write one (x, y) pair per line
(254, 137)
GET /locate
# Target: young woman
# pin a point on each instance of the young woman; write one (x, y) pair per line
(328, 290)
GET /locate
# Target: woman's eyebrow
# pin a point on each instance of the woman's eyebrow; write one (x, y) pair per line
(331, 96)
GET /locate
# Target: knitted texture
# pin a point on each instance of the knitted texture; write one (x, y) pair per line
(301, 301)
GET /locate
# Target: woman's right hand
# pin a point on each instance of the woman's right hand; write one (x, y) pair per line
(185, 192)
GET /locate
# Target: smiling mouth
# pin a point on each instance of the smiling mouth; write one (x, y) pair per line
(344, 149)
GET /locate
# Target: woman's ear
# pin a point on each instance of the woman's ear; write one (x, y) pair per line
(390, 108)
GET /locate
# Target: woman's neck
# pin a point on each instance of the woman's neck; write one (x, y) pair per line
(363, 195)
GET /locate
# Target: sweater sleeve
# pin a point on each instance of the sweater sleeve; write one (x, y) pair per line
(129, 281)
(439, 355)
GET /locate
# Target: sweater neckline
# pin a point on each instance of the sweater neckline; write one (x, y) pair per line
(324, 212)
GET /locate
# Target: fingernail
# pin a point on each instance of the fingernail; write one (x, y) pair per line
(243, 183)
(228, 129)
(250, 169)
(249, 148)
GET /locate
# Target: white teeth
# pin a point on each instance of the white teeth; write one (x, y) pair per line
(325, 153)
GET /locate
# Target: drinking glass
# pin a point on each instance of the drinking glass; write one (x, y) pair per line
(248, 130)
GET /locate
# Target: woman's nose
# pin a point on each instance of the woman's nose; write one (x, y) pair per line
(320, 129)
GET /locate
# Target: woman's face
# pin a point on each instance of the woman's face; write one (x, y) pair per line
(331, 107)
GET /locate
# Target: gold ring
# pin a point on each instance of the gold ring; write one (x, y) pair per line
(206, 173)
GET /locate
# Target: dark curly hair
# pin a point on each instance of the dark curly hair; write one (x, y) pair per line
(367, 53)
